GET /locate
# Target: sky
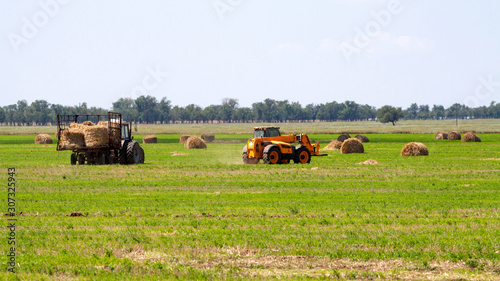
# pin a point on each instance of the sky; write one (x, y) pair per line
(376, 52)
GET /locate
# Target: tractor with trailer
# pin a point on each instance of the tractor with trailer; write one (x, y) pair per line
(269, 145)
(98, 139)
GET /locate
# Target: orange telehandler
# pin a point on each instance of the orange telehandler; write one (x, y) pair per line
(268, 144)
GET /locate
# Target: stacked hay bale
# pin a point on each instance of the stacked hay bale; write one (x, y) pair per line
(96, 136)
(333, 145)
(454, 136)
(88, 123)
(362, 138)
(72, 138)
(343, 137)
(195, 142)
(149, 139)
(86, 134)
(414, 149)
(471, 137)
(43, 139)
(183, 138)
(208, 137)
(352, 145)
(441, 136)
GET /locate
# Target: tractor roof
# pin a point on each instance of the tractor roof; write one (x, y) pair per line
(265, 128)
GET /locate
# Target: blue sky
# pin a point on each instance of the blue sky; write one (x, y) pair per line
(374, 52)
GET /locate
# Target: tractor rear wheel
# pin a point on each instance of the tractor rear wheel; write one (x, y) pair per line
(302, 155)
(272, 156)
(73, 159)
(133, 152)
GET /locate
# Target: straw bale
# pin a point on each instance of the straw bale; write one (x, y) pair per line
(195, 142)
(369, 162)
(454, 136)
(470, 137)
(333, 145)
(43, 139)
(149, 139)
(208, 137)
(441, 136)
(352, 145)
(343, 137)
(414, 149)
(183, 138)
(88, 123)
(96, 136)
(72, 138)
(362, 138)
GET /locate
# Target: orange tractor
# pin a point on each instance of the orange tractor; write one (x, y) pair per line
(269, 145)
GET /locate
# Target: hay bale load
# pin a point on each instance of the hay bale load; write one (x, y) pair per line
(343, 137)
(88, 123)
(96, 136)
(362, 138)
(333, 145)
(149, 139)
(183, 138)
(441, 136)
(454, 136)
(414, 149)
(195, 142)
(352, 145)
(72, 138)
(470, 137)
(43, 139)
(208, 137)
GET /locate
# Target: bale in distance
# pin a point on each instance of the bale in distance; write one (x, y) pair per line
(195, 142)
(208, 137)
(149, 139)
(352, 145)
(441, 136)
(414, 149)
(470, 137)
(362, 138)
(343, 137)
(454, 136)
(183, 138)
(333, 145)
(43, 139)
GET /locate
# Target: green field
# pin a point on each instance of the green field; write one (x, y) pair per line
(202, 214)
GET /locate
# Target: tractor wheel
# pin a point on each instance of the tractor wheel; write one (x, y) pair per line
(247, 160)
(141, 161)
(272, 156)
(73, 159)
(133, 152)
(302, 155)
(81, 159)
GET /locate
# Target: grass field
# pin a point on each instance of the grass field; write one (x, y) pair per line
(202, 214)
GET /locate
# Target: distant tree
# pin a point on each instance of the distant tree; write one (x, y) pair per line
(388, 114)
(127, 107)
(2, 115)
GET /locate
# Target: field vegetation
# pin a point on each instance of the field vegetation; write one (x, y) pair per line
(202, 214)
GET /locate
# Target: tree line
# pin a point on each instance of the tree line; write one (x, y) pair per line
(147, 109)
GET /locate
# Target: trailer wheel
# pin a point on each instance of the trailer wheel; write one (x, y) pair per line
(73, 159)
(101, 158)
(133, 152)
(272, 156)
(81, 159)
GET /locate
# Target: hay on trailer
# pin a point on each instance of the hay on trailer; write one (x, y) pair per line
(43, 139)
(454, 136)
(195, 142)
(470, 137)
(149, 139)
(183, 138)
(343, 137)
(333, 145)
(352, 145)
(88, 123)
(362, 138)
(441, 136)
(368, 162)
(72, 138)
(96, 136)
(414, 149)
(208, 137)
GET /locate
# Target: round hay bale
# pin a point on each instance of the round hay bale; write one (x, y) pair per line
(333, 145)
(183, 138)
(414, 149)
(352, 145)
(362, 138)
(454, 136)
(470, 137)
(149, 139)
(88, 123)
(208, 137)
(43, 139)
(441, 136)
(343, 137)
(195, 142)
(96, 136)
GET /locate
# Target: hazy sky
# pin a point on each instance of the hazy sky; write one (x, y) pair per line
(373, 52)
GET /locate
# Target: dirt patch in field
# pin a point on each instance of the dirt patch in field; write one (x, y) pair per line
(229, 141)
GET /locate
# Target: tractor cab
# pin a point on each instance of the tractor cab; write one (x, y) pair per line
(126, 131)
(266, 132)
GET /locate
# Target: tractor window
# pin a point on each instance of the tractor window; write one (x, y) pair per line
(125, 132)
(272, 132)
(258, 134)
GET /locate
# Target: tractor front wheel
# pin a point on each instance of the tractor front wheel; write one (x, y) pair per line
(133, 153)
(247, 160)
(272, 156)
(302, 155)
